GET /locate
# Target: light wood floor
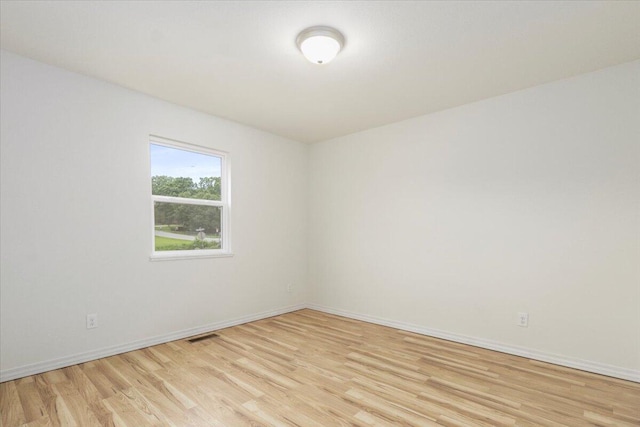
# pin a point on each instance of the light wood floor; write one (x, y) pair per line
(312, 369)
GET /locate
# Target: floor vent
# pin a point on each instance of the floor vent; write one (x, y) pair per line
(203, 337)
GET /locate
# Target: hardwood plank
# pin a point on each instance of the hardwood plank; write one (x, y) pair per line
(11, 409)
(124, 414)
(31, 402)
(90, 395)
(40, 422)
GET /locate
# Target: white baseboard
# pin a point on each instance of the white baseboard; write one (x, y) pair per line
(63, 362)
(570, 362)
(585, 365)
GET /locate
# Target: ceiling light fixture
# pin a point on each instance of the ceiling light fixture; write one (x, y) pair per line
(320, 44)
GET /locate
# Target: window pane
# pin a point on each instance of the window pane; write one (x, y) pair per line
(186, 227)
(182, 173)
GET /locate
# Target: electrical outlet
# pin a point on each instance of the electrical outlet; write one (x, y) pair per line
(290, 287)
(523, 319)
(92, 320)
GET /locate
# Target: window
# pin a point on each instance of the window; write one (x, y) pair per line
(190, 195)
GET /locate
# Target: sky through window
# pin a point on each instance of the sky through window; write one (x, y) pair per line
(182, 163)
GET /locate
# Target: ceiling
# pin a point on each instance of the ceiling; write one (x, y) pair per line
(238, 59)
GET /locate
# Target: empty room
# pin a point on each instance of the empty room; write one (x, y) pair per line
(319, 213)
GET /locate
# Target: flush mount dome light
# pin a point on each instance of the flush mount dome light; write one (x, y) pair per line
(320, 44)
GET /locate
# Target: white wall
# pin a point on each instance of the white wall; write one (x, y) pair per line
(456, 221)
(450, 222)
(76, 219)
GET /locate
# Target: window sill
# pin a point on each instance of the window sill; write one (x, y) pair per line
(173, 256)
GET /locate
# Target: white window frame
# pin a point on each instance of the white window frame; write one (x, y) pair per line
(224, 203)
